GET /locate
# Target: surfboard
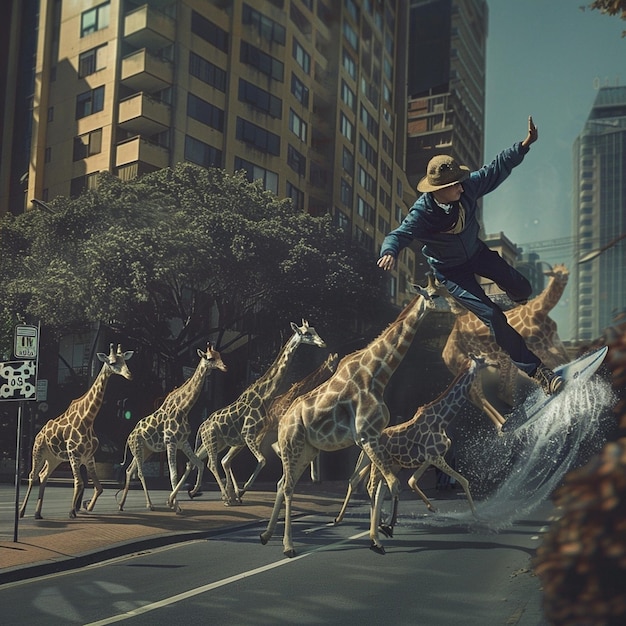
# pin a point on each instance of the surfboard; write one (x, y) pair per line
(577, 372)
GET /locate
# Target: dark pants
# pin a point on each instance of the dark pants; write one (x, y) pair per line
(462, 284)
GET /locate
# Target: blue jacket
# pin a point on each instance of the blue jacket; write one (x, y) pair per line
(427, 221)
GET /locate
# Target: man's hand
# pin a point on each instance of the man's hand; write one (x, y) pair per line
(386, 262)
(533, 133)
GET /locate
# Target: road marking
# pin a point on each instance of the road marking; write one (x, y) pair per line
(217, 584)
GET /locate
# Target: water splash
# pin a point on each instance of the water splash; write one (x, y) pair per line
(525, 466)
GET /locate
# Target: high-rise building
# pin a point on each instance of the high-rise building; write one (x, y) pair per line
(599, 215)
(307, 95)
(446, 82)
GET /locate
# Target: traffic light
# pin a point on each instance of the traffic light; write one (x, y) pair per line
(123, 409)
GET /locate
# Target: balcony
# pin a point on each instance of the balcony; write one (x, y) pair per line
(143, 71)
(136, 149)
(146, 28)
(143, 115)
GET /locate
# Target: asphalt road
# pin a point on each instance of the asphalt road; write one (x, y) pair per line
(440, 570)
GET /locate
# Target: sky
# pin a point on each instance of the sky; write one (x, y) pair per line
(545, 58)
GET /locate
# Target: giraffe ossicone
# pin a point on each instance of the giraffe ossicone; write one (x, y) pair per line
(70, 437)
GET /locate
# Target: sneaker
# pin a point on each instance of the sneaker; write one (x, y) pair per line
(550, 382)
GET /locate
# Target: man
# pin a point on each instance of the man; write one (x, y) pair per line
(444, 220)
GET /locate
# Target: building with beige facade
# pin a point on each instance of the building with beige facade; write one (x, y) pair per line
(307, 95)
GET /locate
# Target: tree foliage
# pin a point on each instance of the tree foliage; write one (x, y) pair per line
(611, 7)
(180, 255)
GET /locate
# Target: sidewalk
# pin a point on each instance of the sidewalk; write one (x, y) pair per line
(55, 544)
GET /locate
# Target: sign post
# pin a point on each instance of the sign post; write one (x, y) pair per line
(18, 381)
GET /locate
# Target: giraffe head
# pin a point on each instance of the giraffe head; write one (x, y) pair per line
(559, 272)
(212, 358)
(307, 334)
(115, 362)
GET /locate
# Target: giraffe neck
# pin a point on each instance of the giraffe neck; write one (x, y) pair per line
(393, 343)
(271, 380)
(444, 408)
(551, 295)
(87, 406)
(185, 396)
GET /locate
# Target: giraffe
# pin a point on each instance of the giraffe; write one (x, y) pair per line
(279, 406)
(416, 444)
(533, 323)
(239, 424)
(348, 408)
(168, 428)
(70, 437)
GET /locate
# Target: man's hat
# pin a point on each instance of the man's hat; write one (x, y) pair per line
(442, 171)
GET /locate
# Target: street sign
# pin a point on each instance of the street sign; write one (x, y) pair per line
(26, 342)
(18, 380)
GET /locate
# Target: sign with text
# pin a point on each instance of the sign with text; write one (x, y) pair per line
(18, 380)
(26, 342)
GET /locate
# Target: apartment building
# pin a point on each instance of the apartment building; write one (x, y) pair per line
(307, 95)
(599, 219)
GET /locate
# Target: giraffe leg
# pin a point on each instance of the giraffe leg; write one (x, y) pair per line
(376, 505)
(49, 467)
(97, 487)
(208, 440)
(38, 462)
(254, 445)
(202, 455)
(79, 485)
(413, 485)
(361, 470)
(139, 461)
(266, 535)
(232, 488)
(172, 449)
(130, 470)
(193, 461)
(444, 467)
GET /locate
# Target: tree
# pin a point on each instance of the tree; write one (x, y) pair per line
(181, 255)
(611, 7)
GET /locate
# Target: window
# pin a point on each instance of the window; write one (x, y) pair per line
(365, 210)
(347, 95)
(299, 19)
(251, 55)
(50, 114)
(350, 34)
(209, 31)
(363, 239)
(94, 19)
(366, 181)
(89, 102)
(257, 137)
(303, 59)
(205, 112)
(296, 195)
(92, 61)
(207, 72)
(342, 220)
(299, 90)
(48, 155)
(81, 183)
(254, 172)
(267, 28)
(352, 9)
(202, 153)
(346, 127)
(370, 122)
(296, 161)
(346, 193)
(320, 176)
(297, 125)
(368, 151)
(87, 145)
(349, 65)
(260, 99)
(347, 161)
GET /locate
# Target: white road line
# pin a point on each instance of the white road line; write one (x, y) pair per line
(216, 585)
